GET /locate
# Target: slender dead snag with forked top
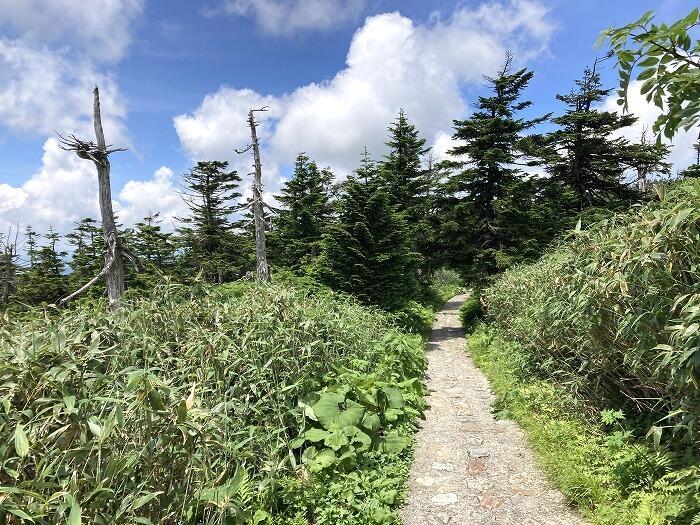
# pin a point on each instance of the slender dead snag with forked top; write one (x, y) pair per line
(113, 270)
(263, 269)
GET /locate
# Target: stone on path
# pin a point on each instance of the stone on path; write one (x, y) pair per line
(468, 467)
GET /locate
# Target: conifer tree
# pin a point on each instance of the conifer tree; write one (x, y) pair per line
(368, 251)
(45, 281)
(693, 171)
(587, 155)
(405, 180)
(154, 246)
(207, 238)
(88, 257)
(488, 228)
(30, 240)
(306, 210)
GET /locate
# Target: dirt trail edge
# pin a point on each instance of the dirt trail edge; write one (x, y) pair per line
(470, 469)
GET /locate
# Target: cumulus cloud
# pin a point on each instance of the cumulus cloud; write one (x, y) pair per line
(64, 190)
(286, 17)
(682, 153)
(392, 63)
(101, 30)
(42, 91)
(139, 198)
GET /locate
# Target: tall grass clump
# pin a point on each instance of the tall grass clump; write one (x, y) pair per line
(615, 312)
(197, 405)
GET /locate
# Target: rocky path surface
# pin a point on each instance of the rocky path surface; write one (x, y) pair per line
(470, 469)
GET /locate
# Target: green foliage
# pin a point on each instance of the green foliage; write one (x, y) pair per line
(210, 244)
(403, 176)
(368, 252)
(184, 407)
(614, 313)
(669, 62)
(470, 312)
(300, 225)
(490, 223)
(45, 280)
(587, 159)
(614, 478)
(415, 318)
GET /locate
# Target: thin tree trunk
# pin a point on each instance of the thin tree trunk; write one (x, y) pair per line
(114, 263)
(263, 268)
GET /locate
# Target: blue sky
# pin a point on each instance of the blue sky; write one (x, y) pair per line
(178, 76)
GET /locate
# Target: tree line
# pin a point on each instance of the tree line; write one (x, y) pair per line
(505, 192)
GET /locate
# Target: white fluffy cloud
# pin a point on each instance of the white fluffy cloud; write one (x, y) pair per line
(285, 17)
(43, 91)
(100, 29)
(682, 153)
(139, 198)
(64, 190)
(52, 54)
(392, 63)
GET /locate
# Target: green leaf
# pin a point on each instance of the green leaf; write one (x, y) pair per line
(75, 517)
(336, 440)
(20, 513)
(394, 443)
(315, 434)
(656, 432)
(21, 441)
(141, 501)
(371, 421)
(94, 426)
(394, 397)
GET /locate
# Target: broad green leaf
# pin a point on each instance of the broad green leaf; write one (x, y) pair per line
(21, 441)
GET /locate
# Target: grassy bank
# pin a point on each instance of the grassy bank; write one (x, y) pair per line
(593, 457)
(242, 404)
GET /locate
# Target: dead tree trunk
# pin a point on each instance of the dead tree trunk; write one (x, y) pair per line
(8, 258)
(113, 270)
(113, 254)
(261, 255)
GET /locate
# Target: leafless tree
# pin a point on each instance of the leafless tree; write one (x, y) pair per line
(8, 264)
(263, 269)
(113, 270)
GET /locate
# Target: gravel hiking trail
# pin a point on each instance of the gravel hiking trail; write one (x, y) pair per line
(469, 468)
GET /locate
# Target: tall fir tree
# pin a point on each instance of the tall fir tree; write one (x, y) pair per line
(489, 227)
(368, 252)
(306, 211)
(406, 182)
(587, 155)
(207, 238)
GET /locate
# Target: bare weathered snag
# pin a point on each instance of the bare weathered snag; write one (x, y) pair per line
(113, 270)
(8, 260)
(261, 256)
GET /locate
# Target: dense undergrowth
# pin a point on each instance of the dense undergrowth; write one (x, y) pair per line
(242, 404)
(613, 478)
(608, 323)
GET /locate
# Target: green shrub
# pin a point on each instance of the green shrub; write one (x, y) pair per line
(597, 463)
(614, 314)
(470, 312)
(195, 405)
(442, 285)
(415, 318)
